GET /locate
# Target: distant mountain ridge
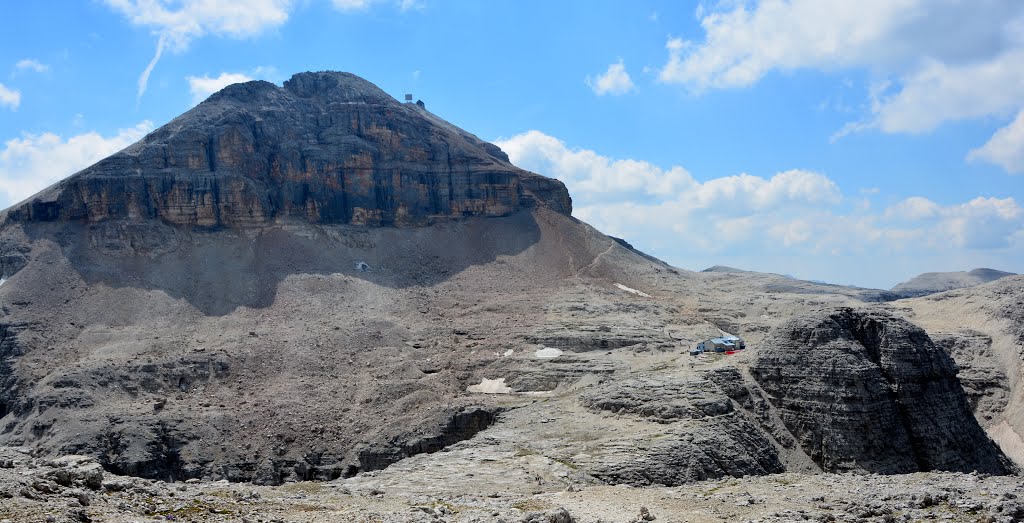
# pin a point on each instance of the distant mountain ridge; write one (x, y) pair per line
(932, 282)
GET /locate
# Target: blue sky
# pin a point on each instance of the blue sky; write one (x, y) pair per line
(857, 142)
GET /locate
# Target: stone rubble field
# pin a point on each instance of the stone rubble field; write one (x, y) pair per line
(75, 489)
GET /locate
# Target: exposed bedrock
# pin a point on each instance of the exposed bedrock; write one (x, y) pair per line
(863, 390)
(983, 378)
(699, 433)
(327, 147)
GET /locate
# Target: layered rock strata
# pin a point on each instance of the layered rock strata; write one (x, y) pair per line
(326, 147)
(704, 435)
(863, 390)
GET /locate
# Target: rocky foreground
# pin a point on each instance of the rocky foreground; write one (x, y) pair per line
(75, 489)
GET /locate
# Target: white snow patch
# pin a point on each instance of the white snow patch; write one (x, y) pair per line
(632, 290)
(3, 281)
(509, 352)
(547, 353)
(487, 386)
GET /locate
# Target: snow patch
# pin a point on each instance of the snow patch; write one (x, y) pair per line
(547, 353)
(509, 352)
(487, 386)
(632, 290)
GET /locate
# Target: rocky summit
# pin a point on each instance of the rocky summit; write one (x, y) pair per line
(324, 148)
(316, 282)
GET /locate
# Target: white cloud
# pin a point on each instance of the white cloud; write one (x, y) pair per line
(614, 81)
(202, 87)
(743, 44)
(589, 174)
(358, 5)
(143, 80)
(177, 23)
(983, 223)
(933, 61)
(349, 5)
(796, 217)
(913, 208)
(9, 97)
(185, 20)
(1005, 148)
(937, 92)
(34, 161)
(30, 64)
(594, 177)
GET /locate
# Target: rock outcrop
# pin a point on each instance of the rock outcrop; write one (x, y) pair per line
(863, 390)
(704, 435)
(983, 378)
(982, 328)
(326, 147)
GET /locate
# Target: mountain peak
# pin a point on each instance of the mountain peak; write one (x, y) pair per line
(336, 86)
(328, 147)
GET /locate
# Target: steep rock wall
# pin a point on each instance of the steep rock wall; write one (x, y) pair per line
(864, 390)
(326, 148)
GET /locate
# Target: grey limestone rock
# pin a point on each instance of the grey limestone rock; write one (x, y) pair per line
(863, 390)
(983, 378)
(705, 437)
(327, 147)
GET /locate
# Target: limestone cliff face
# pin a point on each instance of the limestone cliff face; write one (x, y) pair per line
(326, 147)
(863, 390)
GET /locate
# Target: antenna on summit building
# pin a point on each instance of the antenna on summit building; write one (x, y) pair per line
(408, 98)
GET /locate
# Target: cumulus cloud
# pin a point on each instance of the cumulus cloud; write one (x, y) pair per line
(202, 87)
(34, 161)
(9, 97)
(798, 215)
(934, 61)
(937, 92)
(742, 44)
(30, 64)
(1005, 148)
(981, 223)
(613, 81)
(599, 178)
(913, 208)
(590, 174)
(176, 24)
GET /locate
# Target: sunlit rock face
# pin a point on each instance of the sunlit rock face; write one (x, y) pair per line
(326, 147)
